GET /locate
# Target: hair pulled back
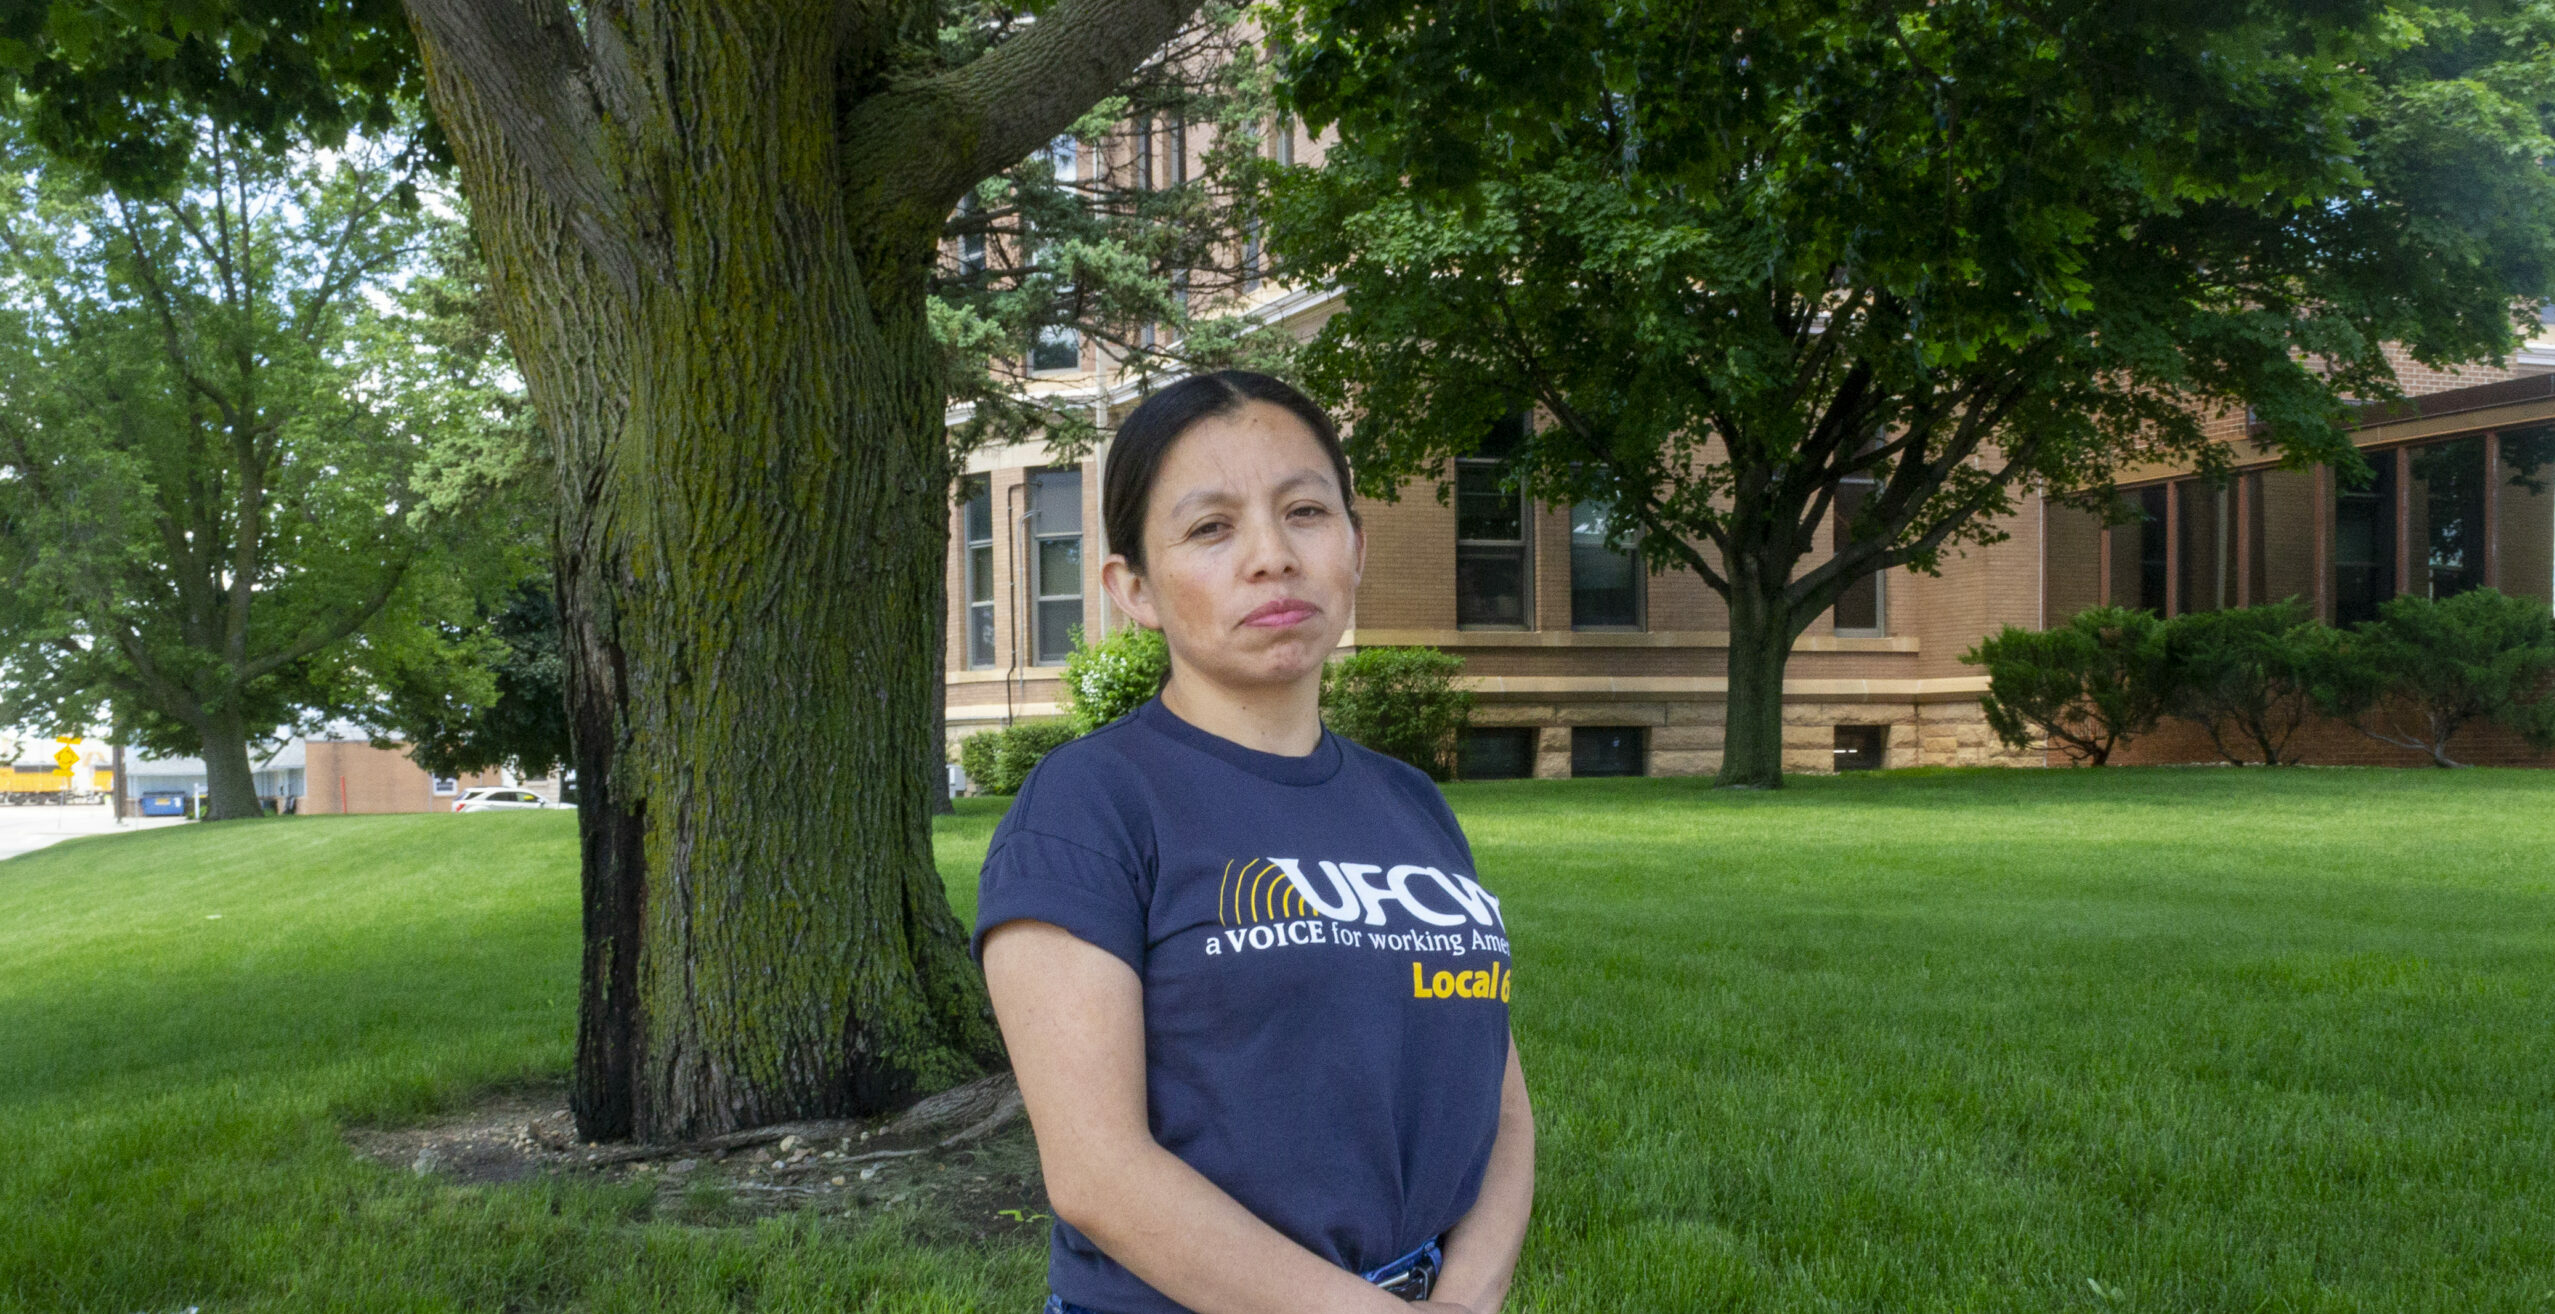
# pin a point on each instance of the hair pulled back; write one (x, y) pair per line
(1135, 456)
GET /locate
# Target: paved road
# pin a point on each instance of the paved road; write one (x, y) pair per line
(26, 828)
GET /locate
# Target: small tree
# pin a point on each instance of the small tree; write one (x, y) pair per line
(2424, 669)
(2247, 674)
(1108, 679)
(2087, 685)
(256, 446)
(1401, 702)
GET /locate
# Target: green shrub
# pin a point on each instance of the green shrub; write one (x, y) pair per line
(1108, 679)
(2247, 675)
(1401, 702)
(2423, 669)
(996, 761)
(976, 758)
(2087, 686)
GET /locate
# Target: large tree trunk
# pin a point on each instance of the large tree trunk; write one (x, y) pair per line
(230, 783)
(1761, 633)
(751, 543)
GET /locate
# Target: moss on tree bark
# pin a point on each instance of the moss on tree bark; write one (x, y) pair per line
(711, 255)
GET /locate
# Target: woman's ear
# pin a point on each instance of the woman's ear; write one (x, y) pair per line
(1127, 588)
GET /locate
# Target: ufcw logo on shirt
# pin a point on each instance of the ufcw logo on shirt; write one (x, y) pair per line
(1277, 889)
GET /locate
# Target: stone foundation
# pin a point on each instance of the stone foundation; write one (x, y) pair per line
(1686, 735)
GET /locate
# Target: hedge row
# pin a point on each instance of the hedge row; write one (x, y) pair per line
(2251, 676)
(1402, 702)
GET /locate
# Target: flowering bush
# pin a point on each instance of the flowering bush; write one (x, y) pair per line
(1108, 679)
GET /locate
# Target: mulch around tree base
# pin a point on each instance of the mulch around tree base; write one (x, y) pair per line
(961, 1161)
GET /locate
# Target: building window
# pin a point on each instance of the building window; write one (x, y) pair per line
(1606, 750)
(1862, 747)
(1251, 256)
(2207, 527)
(1058, 347)
(2138, 552)
(1505, 752)
(2364, 543)
(1490, 535)
(2448, 507)
(1055, 517)
(1144, 152)
(1858, 608)
(1062, 155)
(1605, 584)
(980, 571)
(445, 784)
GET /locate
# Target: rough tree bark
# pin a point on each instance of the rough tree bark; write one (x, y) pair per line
(709, 228)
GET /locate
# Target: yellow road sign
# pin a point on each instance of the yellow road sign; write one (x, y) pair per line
(65, 760)
(66, 739)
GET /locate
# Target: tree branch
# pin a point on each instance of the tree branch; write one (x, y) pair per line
(535, 78)
(920, 144)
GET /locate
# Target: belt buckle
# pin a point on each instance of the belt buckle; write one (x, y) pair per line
(1411, 1283)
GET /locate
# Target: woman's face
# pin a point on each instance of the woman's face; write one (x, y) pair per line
(1251, 564)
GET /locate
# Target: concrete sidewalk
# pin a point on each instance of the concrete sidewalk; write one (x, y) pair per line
(28, 827)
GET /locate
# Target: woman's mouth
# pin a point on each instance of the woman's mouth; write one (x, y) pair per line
(1280, 614)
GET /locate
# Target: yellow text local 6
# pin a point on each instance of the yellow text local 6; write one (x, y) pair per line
(1491, 983)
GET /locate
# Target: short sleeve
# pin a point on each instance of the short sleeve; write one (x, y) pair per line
(1041, 877)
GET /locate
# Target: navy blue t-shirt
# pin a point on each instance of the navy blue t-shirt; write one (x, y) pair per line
(1325, 984)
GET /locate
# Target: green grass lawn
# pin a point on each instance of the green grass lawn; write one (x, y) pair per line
(2168, 1039)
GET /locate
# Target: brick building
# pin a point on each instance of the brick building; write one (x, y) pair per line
(1585, 664)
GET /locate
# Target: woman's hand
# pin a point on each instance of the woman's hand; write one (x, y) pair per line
(1072, 1015)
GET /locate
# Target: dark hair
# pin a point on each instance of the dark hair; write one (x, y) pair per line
(1135, 457)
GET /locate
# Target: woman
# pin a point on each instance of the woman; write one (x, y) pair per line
(1256, 1001)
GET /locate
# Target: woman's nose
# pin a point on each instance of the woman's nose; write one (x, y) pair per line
(1269, 551)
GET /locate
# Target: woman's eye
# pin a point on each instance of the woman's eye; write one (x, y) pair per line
(1207, 528)
(1310, 509)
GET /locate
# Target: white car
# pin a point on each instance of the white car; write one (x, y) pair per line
(493, 798)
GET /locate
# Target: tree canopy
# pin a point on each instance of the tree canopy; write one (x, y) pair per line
(1743, 255)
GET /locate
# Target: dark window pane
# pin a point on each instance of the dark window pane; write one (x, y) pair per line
(2208, 541)
(1606, 750)
(1057, 620)
(2448, 507)
(1059, 567)
(2364, 543)
(2151, 550)
(1859, 606)
(1490, 586)
(980, 573)
(1499, 753)
(1861, 747)
(1057, 349)
(1506, 435)
(1604, 585)
(980, 634)
(1482, 509)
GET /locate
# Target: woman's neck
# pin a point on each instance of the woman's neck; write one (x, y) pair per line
(1282, 719)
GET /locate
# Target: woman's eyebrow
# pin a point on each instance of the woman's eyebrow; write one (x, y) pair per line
(1204, 497)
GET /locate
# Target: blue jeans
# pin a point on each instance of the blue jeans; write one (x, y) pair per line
(1409, 1277)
